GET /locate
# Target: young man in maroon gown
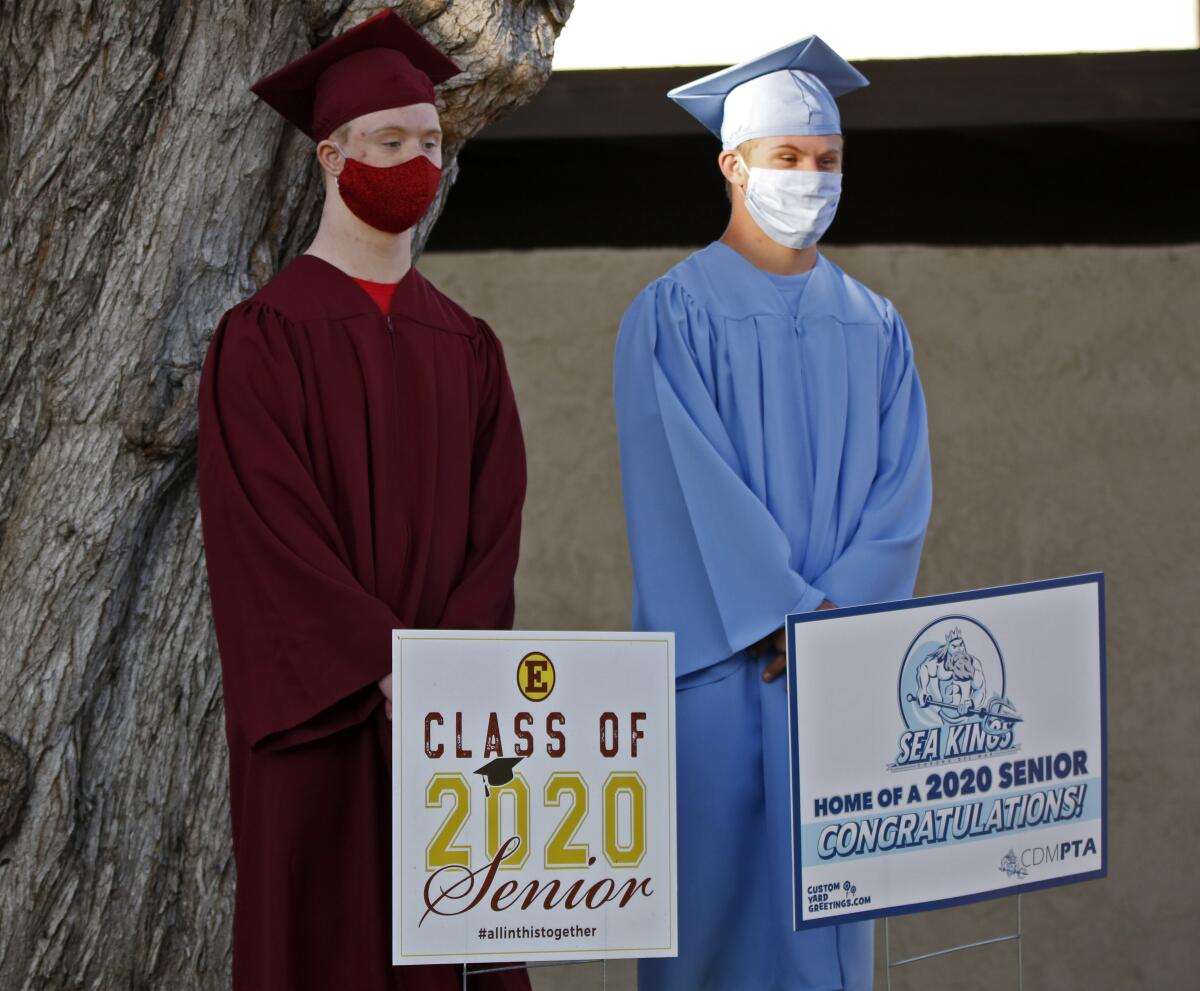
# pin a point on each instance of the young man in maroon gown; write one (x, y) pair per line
(361, 468)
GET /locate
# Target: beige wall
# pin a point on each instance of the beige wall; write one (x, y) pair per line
(1064, 396)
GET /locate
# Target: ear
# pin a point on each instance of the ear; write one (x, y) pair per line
(732, 169)
(331, 160)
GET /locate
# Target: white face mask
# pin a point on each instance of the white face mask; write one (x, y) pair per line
(792, 206)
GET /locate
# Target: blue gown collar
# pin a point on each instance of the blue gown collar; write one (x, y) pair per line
(739, 288)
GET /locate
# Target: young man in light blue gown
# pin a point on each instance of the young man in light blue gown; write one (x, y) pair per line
(774, 460)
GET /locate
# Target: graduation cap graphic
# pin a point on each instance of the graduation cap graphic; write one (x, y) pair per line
(497, 773)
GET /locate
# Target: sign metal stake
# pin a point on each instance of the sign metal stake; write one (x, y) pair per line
(1009, 937)
(467, 972)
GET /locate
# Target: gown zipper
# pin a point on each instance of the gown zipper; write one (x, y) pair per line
(394, 426)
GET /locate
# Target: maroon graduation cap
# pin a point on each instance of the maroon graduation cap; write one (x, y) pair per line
(378, 64)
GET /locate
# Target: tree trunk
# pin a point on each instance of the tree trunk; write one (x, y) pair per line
(146, 191)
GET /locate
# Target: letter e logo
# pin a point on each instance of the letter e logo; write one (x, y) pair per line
(535, 676)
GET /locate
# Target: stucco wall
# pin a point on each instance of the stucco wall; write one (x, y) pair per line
(1064, 394)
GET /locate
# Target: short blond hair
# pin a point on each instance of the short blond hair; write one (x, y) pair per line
(744, 150)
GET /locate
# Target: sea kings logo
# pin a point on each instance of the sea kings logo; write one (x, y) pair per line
(952, 694)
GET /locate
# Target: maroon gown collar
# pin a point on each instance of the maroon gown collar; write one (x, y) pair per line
(340, 283)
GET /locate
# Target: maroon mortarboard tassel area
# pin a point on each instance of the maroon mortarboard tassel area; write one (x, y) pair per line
(379, 64)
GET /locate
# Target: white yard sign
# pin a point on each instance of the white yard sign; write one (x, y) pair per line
(947, 749)
(533, 796)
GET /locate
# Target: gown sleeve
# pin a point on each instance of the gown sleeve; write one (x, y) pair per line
(709, 561)
(482, 598)
(302, 643)
(880, 561)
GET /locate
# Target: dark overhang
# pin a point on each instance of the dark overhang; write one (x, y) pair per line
(1085, 148)
(904, 95)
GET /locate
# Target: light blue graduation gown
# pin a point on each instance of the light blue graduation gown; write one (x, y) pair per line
(772, 457)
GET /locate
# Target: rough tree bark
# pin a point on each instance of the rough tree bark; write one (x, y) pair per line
(145, 191)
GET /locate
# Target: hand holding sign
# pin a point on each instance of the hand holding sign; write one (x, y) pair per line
(777, 642)
(385, 686)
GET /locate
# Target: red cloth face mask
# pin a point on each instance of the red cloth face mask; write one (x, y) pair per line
(392, 198)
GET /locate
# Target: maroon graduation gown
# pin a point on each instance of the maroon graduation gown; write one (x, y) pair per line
(357, 473)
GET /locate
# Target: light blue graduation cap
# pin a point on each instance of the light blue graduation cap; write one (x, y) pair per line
(788, 91)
